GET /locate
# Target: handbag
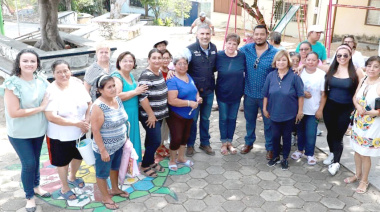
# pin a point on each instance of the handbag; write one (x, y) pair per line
(377, 103)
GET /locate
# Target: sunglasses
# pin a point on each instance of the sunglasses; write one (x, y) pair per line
(342, 55)
(256, 63)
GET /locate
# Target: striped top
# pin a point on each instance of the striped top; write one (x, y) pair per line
(157, 94)
(113, 129)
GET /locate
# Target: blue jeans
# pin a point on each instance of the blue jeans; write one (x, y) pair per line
(282, 130)
(204, 111)
(227, 120)
(29, 151)
(152, 141)
(103, 169)
(251, 106)
(307, 134)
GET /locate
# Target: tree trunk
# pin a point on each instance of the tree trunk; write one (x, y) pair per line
(116, 6)
(68, 5)
(50, 39)
(253, 11)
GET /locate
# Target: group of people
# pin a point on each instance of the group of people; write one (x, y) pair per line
(293, 91)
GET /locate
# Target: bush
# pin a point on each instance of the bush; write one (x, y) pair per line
(158, 22)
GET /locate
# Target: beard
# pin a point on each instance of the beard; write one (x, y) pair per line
(261, 44)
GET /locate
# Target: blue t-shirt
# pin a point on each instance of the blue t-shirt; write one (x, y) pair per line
(255, 77)
(186, 91)
(230, 81)
(283, 95)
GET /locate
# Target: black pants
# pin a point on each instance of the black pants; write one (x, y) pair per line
(337, 119)
(282, 130)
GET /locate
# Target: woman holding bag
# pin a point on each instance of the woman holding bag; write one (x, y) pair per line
(108, 119)
(68, 113)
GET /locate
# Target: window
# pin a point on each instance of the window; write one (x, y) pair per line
(282, 7)
(373, 16)
(136, 3)
(223, 6)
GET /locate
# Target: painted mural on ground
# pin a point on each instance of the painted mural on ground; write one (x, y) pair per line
(89, 197)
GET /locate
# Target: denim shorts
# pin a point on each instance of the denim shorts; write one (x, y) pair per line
(103, 169)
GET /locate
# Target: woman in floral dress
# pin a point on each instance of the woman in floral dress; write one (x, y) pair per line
(365, 138)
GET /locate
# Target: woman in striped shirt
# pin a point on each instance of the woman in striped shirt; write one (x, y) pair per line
(153, 110)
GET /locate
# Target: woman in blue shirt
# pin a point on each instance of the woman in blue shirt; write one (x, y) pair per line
(230, 65)
(283, 103)
(183, 98)
(24, 102)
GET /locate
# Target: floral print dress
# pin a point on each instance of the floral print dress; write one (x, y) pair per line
(365, 138)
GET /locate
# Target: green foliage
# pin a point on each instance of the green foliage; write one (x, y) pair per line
(93, 7)
(158, 22)
(177, 9)
(168, 22)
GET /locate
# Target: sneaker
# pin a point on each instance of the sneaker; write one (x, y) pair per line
(334, 168)
(273, 162)
(329, 160)
(319, 132)
(294, 140)
(284, 164)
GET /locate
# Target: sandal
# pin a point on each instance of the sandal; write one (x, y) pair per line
(67, 195)
(362, 191)
(223, 149)
(123, 194)
(149, 172)
(188, 163)
(111, 206)
(157, 167)
(77, 182)
(349, 180)
(296, 155)
(231, 148)
(173, 167)
(311, 160)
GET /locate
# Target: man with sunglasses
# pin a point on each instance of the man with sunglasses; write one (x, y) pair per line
(314, 33)
(259, 56)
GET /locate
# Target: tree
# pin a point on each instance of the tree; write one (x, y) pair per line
(68, 5)
(116, 8)
(50, 39)
(253, 10)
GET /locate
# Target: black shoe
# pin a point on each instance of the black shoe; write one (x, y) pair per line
(284, 164)
(273, 162)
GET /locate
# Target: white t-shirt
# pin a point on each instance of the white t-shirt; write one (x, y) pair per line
(358, 60)
(315, 84)
(71, 104)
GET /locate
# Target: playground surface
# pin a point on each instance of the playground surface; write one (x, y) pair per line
(215, 183)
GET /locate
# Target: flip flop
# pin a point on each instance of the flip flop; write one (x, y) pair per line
(157, 167)
(188, 163)
(67, 195)
(173, 167)
(77, 182)
(123, 194)
(149, 172)
(112, 204)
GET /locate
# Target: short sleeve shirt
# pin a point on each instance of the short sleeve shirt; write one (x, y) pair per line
(93, 72)
(318, 48)
(314, 84)
(71, 104)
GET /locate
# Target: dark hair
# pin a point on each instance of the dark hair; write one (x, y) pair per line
(351, 73)
(275, 37)
(166, 51)
(314, 53)
(308, 43)
(353, 39)
(16, 65)
(372, 59)
(154, 50)
(103, 81)
(59, 62)
(122, 55)
(234, 37)
(295, 54)
(261, 27)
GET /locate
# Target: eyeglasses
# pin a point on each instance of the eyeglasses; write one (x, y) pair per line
(181, 64)
(342, 55)
(305, 49)
(166, 58)
(127, 61)
(256, 63)
(63, 72)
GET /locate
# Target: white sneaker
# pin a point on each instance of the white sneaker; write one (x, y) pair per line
(334, 168)
(329, 160)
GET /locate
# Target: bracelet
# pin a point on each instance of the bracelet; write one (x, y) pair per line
(188, 103)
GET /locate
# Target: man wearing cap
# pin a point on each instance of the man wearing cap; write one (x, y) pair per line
(161, 45)
(313, 35)
(202, 20)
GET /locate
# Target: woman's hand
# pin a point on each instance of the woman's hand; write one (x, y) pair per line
(266, 114)
(151, 122)
(105, 156)
(45, 102)
(141, 89)
(307, 95)
(200, 100)
(83, 125)
(319, 114)
(170, 74)
(361, 110)
(193, 104)
(299, 117)
(299, 70)
(372, 113)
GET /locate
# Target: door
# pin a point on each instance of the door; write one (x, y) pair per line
(193, 14)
